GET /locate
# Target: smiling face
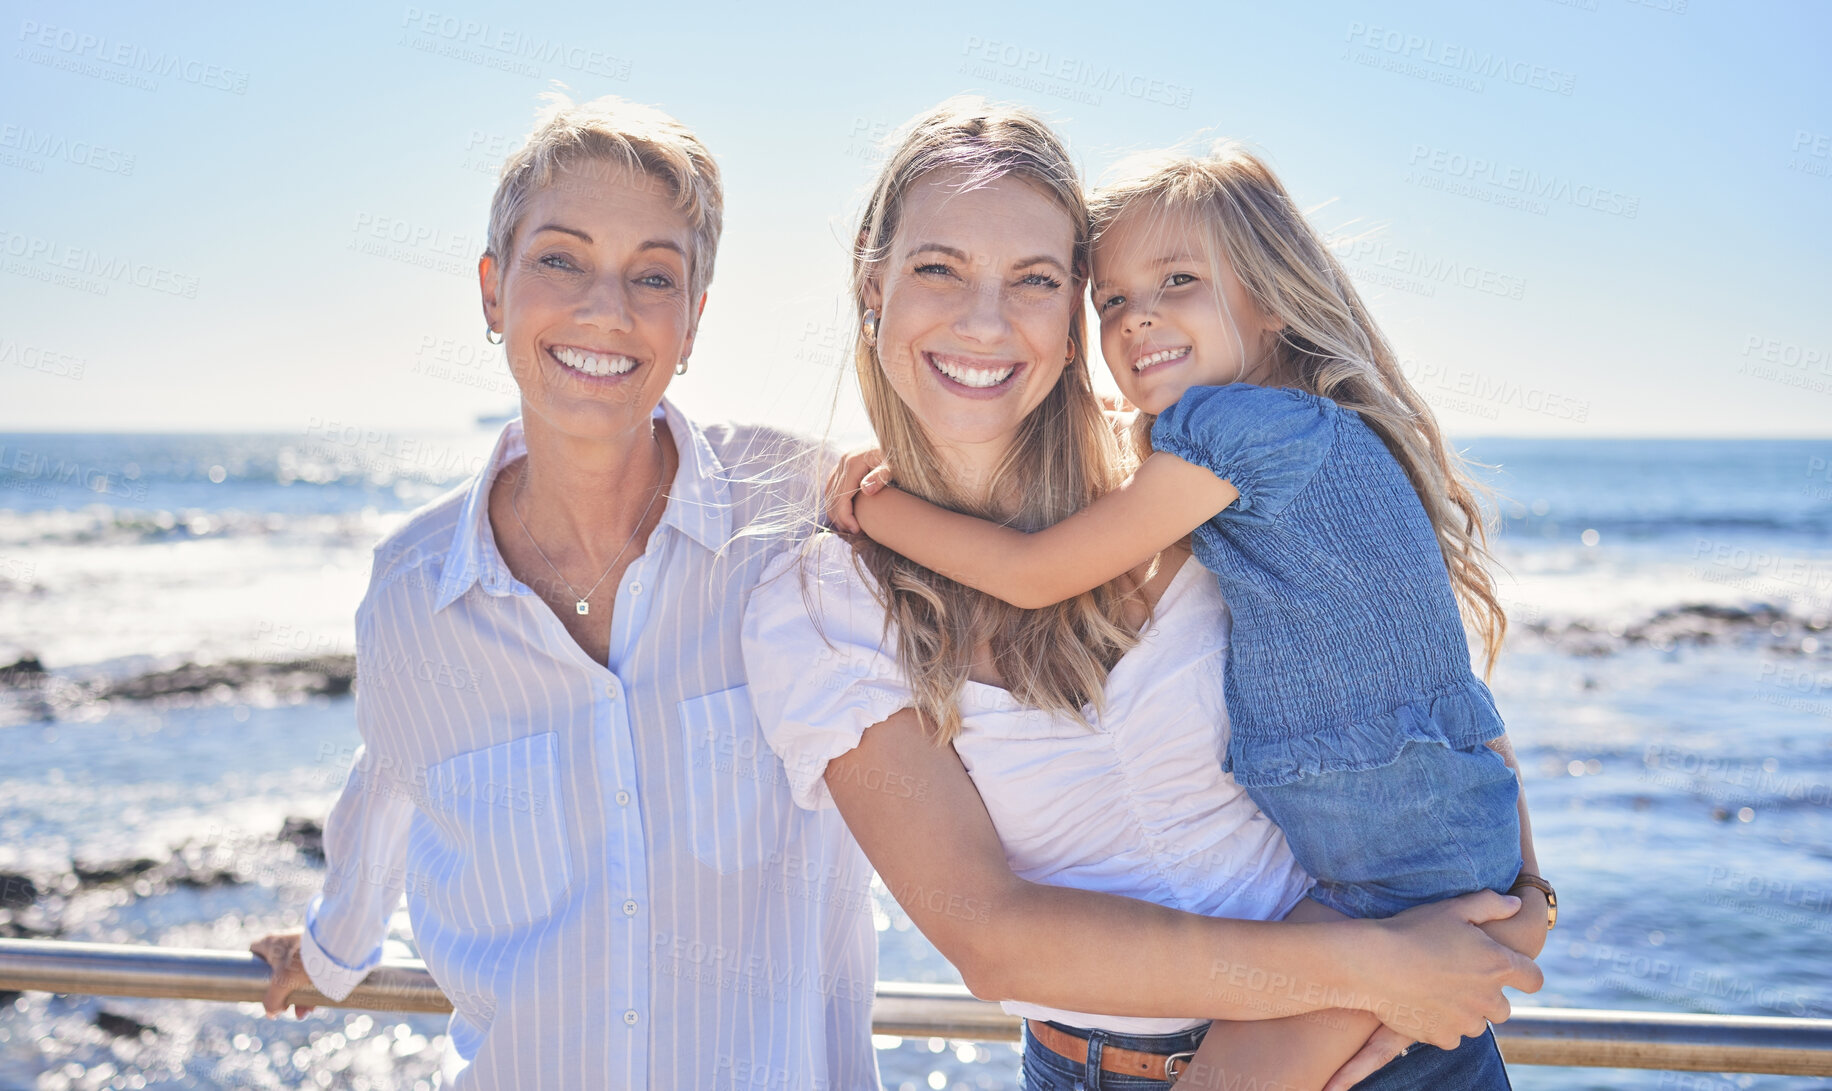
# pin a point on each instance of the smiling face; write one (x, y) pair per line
(593, 300)
(1172, 312)
(975, 295)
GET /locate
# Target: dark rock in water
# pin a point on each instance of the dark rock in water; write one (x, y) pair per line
(11, 928)
(1692, 624)
(24, 673)
(16, 890)
(115, 872)
(30, 693)
(1703, 623)
(329, 675)
(307, 834)
(120, 1025)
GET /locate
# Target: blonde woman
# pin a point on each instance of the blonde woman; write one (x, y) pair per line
(1042, 789)
(589, 847)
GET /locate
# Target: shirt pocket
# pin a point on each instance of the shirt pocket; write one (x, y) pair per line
(737, 784)
(503, 859)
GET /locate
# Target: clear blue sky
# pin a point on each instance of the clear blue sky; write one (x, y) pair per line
(219, 172)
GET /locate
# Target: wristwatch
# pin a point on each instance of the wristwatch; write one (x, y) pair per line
(1527, 878)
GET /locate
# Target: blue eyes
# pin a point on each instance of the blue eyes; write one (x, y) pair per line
(1033, 280)
(660, 282)
(1175, 280)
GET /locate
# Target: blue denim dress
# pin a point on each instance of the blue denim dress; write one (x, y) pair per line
(1358, 725)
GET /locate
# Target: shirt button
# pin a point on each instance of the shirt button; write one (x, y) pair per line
(636, 588)
(629, 1017)
(610, 689)
(623, 799)
(629, 909)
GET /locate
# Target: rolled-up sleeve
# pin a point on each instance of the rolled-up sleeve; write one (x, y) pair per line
(821, 662)
(365, 845)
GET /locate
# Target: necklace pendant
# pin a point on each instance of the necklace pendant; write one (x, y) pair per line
(582, 606)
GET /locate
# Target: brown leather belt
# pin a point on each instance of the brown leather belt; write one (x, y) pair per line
(1120, 1062)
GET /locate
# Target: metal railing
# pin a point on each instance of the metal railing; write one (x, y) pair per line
(1539, 1036)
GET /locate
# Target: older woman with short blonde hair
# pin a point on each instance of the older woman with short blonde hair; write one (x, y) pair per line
(593, 838)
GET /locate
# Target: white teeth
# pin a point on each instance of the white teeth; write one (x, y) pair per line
(1159, 357)
(973, 376)
(592, 363)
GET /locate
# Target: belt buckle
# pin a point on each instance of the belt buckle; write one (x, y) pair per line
(1174, 1064)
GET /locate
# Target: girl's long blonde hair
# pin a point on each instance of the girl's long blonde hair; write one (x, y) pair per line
(1329, 344)
(1064, 455)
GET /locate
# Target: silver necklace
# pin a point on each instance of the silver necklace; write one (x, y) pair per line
(583, 606)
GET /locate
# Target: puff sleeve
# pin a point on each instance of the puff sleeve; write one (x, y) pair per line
(1267, 441)
(821, 664)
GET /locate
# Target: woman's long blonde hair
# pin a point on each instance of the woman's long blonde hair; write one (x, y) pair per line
(1064, 455)
(1329, 344)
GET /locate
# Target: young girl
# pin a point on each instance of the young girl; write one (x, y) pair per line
(1315, 485)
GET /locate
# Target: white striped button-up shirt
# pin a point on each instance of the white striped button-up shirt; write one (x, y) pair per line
(603, 865)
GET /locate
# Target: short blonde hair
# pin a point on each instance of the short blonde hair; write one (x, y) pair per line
(640, 140)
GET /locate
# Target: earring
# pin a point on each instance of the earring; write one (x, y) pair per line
(681, 368)
(869, 324)
(491, 335)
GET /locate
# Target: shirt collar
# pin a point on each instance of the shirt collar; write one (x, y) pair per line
(699, 506)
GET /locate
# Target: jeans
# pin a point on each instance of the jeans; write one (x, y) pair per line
(1046, 1070)
(1473, 1066)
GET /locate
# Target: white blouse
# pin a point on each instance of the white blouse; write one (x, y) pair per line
(1137, 806)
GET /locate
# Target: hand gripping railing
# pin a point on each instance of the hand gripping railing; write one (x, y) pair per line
(1543, 1036)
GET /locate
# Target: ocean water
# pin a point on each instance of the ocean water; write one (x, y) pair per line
(1667, 681)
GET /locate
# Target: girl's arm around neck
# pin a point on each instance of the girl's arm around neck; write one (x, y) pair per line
(919, 818)
(1165, 500)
